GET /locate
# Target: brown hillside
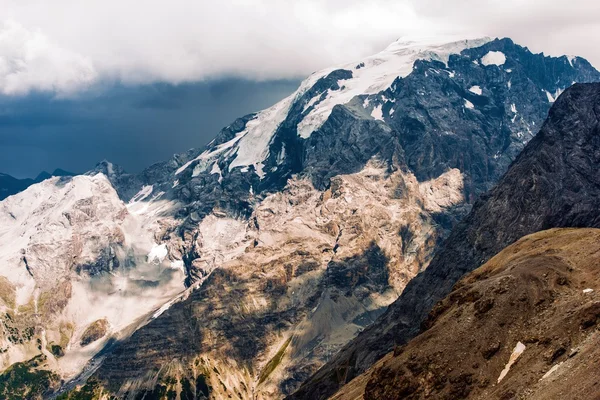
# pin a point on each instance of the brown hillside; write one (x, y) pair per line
(535, 293)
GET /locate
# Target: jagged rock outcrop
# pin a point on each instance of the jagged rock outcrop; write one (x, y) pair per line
(280, 293)
(72, 253)
(524, 325)
(552, 183)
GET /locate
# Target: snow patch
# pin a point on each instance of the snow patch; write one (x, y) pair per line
(588, 291)
(476, 89)
(311, 103)
(158, 253)
(217, 170)
(281, 155)
(517, 351)
(177, 264)
(253, 147)
(550, 97)
(494, 58)
(142, 194)
(551, 370)
(209, 154)
(377, 113)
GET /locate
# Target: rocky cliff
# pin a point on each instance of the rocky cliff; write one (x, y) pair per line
(552, 183)
(534, 310)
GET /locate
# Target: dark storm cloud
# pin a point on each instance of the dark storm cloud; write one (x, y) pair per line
(133, 126)
(59, 61)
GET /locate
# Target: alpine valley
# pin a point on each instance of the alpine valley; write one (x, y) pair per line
(263, 265)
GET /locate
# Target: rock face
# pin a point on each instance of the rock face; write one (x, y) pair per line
(299, 224)
(535, 303)
(552, 183)
(303, 276)
(72, 253)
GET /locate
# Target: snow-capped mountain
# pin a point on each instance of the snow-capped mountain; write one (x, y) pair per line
(257, 258)
(10, 185)
(74, 254)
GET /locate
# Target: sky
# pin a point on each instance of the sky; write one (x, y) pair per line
(95, 79)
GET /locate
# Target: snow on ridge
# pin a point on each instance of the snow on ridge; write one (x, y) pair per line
(493, 58)
(208, 155)
(379, 71)
(253, 147)
(142, 194)
(376, 73)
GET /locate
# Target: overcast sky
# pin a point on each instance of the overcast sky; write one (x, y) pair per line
(61, 56)
(64, 45)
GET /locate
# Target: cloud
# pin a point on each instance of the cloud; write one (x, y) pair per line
(29, 61)
(192, 40)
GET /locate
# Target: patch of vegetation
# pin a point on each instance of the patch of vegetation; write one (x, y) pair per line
(28, 308)
(66, 332)
(24, 381)
(187, 393)
(95, 331)
(274, 362)
(7, 293)
(56, 350)
(12, 331)
(54, 301)
(92, 390)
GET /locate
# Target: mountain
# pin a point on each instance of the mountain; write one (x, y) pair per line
(552, 183)
(10, 185)
(241, 268)
(535, 315)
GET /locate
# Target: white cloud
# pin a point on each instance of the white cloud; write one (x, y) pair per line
(29, 61)
(189, 40)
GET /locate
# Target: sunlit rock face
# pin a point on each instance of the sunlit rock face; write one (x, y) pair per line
(553, 183)
(307, 271)
(251, 262)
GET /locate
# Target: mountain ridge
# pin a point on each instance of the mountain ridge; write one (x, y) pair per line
(10, 185)
(527, 199)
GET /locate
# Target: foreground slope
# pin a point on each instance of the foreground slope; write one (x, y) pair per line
(553, 183)
(537, 302)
